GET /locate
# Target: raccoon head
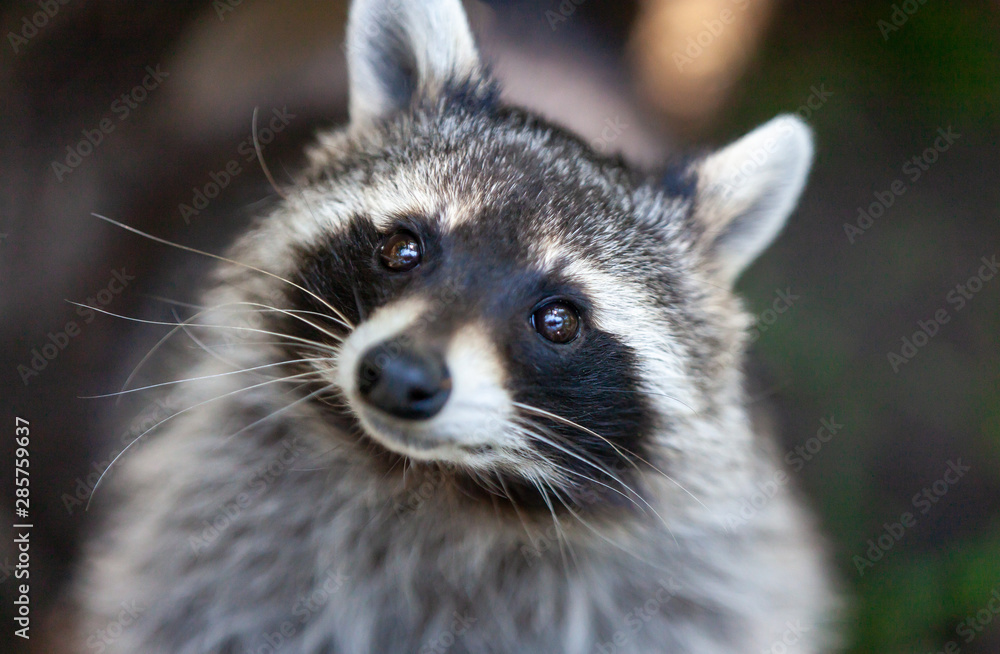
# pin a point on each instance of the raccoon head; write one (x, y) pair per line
(504, 299)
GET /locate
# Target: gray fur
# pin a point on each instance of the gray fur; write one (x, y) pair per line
(242, 531)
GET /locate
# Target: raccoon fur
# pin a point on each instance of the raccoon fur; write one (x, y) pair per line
(472, 387)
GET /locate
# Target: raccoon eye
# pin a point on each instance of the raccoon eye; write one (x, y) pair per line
(400, 252)
(557, 321)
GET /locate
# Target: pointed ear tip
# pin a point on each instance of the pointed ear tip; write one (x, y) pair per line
(795, 131)
(397, 48)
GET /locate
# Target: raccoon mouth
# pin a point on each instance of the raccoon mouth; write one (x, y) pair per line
(417, 442)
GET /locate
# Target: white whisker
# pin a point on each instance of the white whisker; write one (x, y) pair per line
(191, 379)
(197, 341)
(260, 156)
(174, 324)
(302, 399)
(171, 417)
(179, 327)
(566, 450)
(613, 476)
(567, 421)
(232, 261)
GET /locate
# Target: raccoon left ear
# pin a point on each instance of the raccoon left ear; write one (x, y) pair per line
(397, 49)
(746, 191)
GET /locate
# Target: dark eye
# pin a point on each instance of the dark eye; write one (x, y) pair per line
(400, 252)
(557, 321)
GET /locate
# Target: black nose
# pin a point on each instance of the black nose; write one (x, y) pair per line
(404, 381)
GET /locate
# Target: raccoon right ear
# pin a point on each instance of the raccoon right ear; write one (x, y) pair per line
(746, 191)
(398, 49)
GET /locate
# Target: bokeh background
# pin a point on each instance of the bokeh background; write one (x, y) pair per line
(877, 80)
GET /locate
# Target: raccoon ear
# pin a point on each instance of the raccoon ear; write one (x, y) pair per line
(746, 190)
(399, 48)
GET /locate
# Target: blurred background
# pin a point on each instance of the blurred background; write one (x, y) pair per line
(877, 309)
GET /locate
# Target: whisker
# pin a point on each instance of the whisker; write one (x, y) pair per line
(767, 393)
(302, 399)
(191, 379)
(560, 534)
(178, 327)
(567, 421)
(265, 308)
(357, 302)
(517, 510)
(174, 415)
(641, 391)
(324, 348)
(336, 446)
(290, 312)
(569, 545)
(592, 464)
(612, 475)
(647, 392)
(197, 341)
(174, 324)
(297, 311)
(597, 532)
(260, 157)
(602, 536)
(167, 300)
(232, 261)
(156, 347)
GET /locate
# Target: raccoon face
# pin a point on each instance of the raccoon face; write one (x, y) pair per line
(504, 299)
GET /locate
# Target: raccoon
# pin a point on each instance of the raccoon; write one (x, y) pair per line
(471, 387)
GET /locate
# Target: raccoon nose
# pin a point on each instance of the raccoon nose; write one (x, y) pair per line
(404, 381)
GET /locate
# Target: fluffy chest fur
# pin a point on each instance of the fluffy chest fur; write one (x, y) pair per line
(273, 542)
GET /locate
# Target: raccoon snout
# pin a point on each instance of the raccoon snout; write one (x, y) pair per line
(404, 381)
